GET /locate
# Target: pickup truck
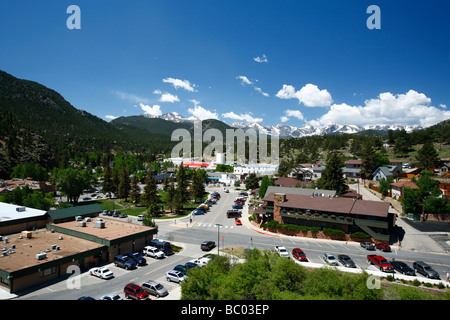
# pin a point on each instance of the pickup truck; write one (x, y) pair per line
(282, 251)
(153, 252)
(380, 262)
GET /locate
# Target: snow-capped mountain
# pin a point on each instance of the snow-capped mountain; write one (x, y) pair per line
(286, 131)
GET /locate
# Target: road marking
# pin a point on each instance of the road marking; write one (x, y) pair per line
(163, 266)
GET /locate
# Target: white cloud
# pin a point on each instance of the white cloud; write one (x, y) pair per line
(260, 91)
(166, 97)
(284, 119)
(443, 106)
(294, 113)
(201, 113)
(154, 111)
(310, 95)
(411, 108)
(244, 79)
(178, 83)
(110, 117)
(130, 97)
(247, 117)
(261, 59)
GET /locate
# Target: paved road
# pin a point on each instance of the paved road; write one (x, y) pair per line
(190, 235)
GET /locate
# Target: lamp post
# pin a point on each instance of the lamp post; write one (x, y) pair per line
(218, 236)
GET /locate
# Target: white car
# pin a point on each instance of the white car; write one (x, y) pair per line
(140, 217)
(103, 273)
(153, 252)
(202, 261)
(282, 251)
(175, 276)
(112, 296)
(329, 258)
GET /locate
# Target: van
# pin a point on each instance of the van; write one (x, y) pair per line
(124, 262)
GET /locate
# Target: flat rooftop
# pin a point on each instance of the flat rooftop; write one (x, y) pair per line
(114, 229)
(12, 212)
(24, 254)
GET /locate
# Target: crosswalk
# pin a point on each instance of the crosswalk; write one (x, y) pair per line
(208, 225)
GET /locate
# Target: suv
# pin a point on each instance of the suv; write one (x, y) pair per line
(153, 252)
(154, 288)
(207, 245)
(164, 246)
(137, 257)
(136, 292)
(175, 276)
(298, 254)
(383, 247)
(368, 245)
(124, 262)
(426, 270)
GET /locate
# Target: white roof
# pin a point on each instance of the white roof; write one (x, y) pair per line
(10, 212)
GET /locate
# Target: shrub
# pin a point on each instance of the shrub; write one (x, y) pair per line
(333, 232)
(360, 235)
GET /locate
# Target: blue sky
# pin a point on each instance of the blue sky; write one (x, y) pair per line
(292, 62)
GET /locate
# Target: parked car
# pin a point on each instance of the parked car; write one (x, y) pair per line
(346, 261)
(164, 246)
(380, 262)
(133, 291)
(124, 262)
(137, 256)
(197, 212)
(282, 252)
(298, 254)
(190, 265)
(207, 245)
(403, 268)
(329, 258)
(175, 276)
(122, 215)
(111, 296)
(153, 252)
(155, 288)
(426, 270)
(201, 262)
(140, 217)
(180, 268)
(383, 247)
(103, 273)
(368, 245)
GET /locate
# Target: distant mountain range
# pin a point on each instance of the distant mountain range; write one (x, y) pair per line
(286, 131)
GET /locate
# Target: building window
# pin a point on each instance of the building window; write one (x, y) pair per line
(48, 272)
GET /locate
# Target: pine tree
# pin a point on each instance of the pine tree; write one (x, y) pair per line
(197, 189)
(182, 184)
(124, 186)
(427, 156)
(150, 198)
(135, 191)
(107, 181)
(332, 177)
(368, 160)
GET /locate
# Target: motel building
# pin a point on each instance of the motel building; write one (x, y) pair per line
(39, 246)
(319, 209)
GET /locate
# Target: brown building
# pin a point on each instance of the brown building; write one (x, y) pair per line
(40, 246)
(348, 215)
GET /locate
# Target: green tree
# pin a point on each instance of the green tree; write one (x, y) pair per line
(385, 185)
(150, 198)
(108, 184)
(265, 183)
(427, 156)
(332, 177)
(197, 189)
(135, 190)
(367, 159)
(410, 199)
(182, 184)
(251, 182)
(71, 182)
(124, 186)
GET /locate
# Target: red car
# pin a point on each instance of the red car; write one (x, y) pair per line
(136, 292)
(238, 222)
(383, 247)
(298, 254)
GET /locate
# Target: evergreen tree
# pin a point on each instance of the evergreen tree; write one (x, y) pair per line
(251, 182)
(107, 181)
(182, 185)
(197, 189)
(368, 160)
(332, 177)
(170, 197)
(427, 156)
(150, 198)
(124, 186)
(135, 191)
(265, 183)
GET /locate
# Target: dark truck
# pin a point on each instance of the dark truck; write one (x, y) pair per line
(233, 214)
(380, 262)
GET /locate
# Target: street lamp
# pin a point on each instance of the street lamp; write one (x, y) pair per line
(218, 225)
